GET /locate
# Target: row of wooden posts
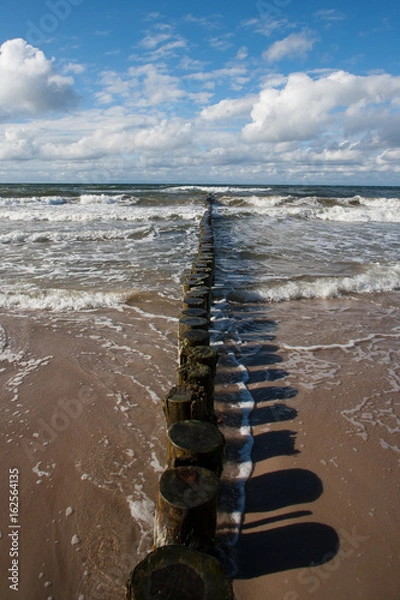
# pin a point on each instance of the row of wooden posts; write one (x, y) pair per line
(182, 565)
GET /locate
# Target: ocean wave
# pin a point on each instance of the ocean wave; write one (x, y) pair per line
(33, 200)
(138, 234)
(107, 199)
(375, 279)
(218, 189)
(355, 209)
(60, 300)
(363, 210)
(97, 212)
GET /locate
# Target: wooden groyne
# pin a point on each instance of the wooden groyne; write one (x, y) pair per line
(183, 565)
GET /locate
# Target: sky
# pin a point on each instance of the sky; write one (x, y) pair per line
(256, 91)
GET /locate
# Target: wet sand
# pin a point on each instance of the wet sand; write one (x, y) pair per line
(81, 420)
(322, 504)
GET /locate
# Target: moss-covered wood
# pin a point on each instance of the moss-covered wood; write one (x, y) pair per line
(199, 377)
(204, 355)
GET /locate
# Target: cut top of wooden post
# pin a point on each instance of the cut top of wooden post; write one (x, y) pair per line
(196, 436)
(179, 573)
(188, 487)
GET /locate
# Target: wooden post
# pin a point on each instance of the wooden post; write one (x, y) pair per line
(195, 312)
(179, 573)
(189, 323)
(182, 403)
(187, 508)
(195, 337)
(195, 443)
(194, 302)
(184, 526)
(202, 292)
(205, 355)
(202, 263)
(194, 280)
(199, 377)
(195, 374)
(204, 275)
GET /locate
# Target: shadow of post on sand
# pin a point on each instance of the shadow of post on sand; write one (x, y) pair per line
(251, 392)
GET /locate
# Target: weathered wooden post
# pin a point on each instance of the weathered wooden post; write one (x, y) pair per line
(186, 509)
(195, 443)
(191, 323)
(181, 567)
(183, 403)
(194, 280)
(194, 337)
(199, 290)
(203, 274)
(194, 302)
(205, 355)
(179, 573)
(195, 312)
(199, 378)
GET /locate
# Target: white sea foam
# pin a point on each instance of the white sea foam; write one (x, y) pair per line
(278, 206)
(17, 236)
(366, 210)
(375, 279)
(100, 199)
(216, 189)
(142, 510)
(96, 211)
(61, 300)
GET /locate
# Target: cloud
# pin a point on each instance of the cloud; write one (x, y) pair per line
(29, 83)
(294, 45)
(143, 85)
(17, 144)
(94, 135)
(306, 107)
(228, 109)
(75, 68)
(242, 53)
(329, 15)
(151, 41)
(221, 43)
(235, 76)
(211, 21)
(163, 44)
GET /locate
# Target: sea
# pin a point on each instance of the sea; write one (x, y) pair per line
(70, 252)
(74, 247)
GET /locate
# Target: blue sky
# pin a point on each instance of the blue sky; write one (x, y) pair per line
(243, 92)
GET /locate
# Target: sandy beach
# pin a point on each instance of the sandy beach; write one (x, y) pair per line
(81, 422)
(83, 427)
(322, 504)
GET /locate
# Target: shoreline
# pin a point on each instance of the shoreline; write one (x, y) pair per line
(322, 500)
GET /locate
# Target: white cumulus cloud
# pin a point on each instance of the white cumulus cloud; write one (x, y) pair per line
(29, 83)
(306, 107)
(229, 109)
